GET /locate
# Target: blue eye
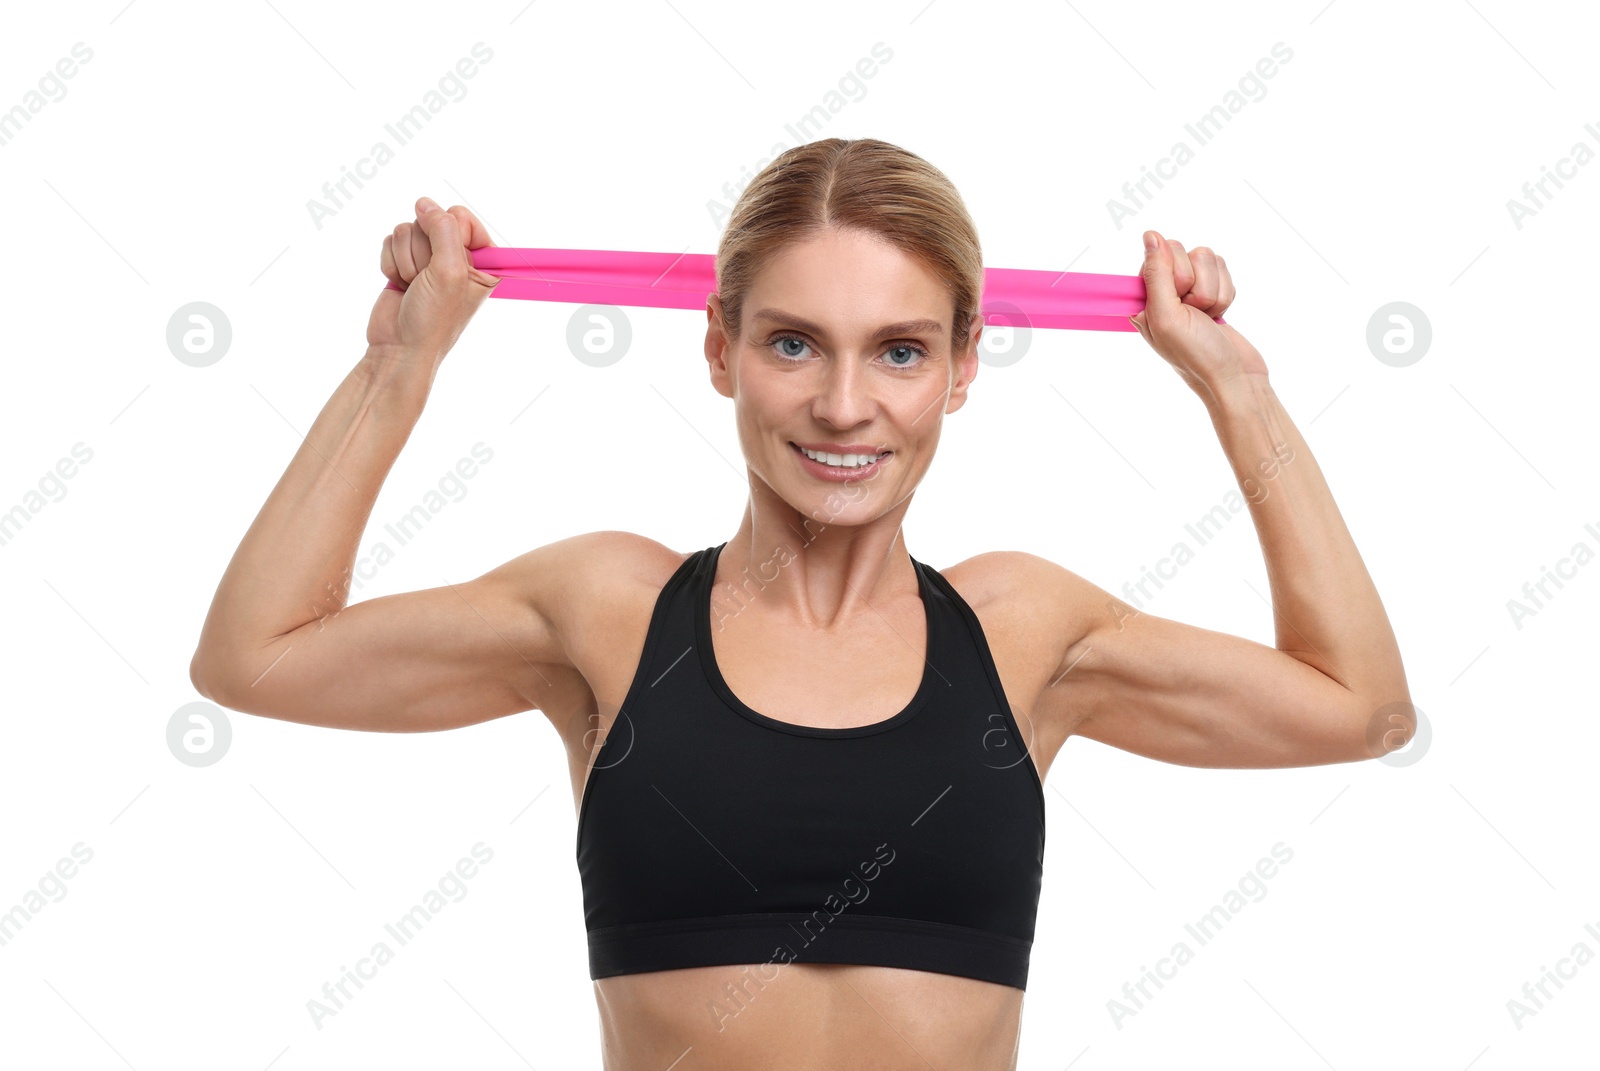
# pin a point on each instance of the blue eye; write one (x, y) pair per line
(916, 351)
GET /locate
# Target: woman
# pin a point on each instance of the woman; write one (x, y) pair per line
(811, 832)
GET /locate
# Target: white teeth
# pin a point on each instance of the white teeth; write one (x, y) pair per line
(842, 460)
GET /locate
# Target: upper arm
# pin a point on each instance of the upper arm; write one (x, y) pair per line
(1188, 695)
(438, 658)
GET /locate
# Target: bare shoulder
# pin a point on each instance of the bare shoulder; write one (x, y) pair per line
(569, 606)
(1020, 589)
(578, 584)
(1035, 615)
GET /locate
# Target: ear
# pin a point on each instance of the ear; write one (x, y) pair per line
(966, 363)
(716, 347)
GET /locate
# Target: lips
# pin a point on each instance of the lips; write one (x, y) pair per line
(841, 473)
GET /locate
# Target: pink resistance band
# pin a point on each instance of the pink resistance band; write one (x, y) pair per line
(1024, 297)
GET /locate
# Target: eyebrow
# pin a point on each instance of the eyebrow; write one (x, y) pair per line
(904, 327)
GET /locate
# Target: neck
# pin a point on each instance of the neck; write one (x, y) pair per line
(815, 575)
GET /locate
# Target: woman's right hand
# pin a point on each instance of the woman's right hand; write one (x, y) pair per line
(429, 258)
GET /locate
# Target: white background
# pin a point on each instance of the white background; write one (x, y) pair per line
(1376, 168)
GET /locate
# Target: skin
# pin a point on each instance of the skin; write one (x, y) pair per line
(561, 628)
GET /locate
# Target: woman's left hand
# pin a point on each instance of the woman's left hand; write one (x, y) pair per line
(1185, 293)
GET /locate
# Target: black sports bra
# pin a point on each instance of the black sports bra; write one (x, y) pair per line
(711, 834)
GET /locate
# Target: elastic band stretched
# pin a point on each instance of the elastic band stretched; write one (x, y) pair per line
(1012, 297)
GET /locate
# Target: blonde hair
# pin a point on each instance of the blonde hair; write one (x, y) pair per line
(864, 184)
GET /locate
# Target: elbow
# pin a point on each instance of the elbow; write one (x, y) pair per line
(1393, 731)
(207, 676)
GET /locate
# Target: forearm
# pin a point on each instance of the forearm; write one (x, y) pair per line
(1327, 611)
(293, 564)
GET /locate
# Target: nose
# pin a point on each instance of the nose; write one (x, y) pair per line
(844, 399)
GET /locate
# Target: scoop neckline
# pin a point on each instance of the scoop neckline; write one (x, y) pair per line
(713, 672)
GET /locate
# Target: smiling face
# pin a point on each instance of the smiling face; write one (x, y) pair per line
(845, 350)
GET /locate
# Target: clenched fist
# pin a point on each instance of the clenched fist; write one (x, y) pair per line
(429, 258)
(1186, 294)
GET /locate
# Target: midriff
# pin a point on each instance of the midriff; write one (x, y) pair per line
(806, 1017)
